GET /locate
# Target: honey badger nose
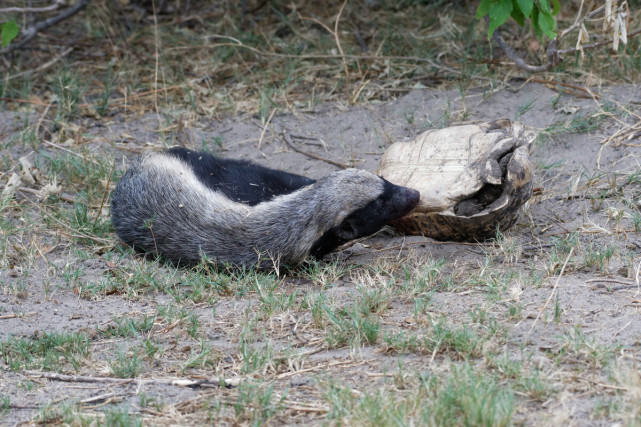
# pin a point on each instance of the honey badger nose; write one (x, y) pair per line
(411, 198)
(403, 200)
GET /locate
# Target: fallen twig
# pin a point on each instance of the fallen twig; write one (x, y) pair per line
(288, 141)
(30, 32)
(179, 382)
(14, 315)
(556, 284)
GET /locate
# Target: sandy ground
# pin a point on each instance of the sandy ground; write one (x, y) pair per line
(572, 169)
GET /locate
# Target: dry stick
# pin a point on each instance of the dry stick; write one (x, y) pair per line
(64, 197)
(104, 194)
(593, 45)
(70, 151)
(109, 380)
(30, 32)
(14, 315)
(43, 66)
(53, 6)
(291, 145)
(619, 281)
(571, 86)
(71, 230)
(340, 50)
(551, 294)
(262, 133)
(157, 55)
(355, 57)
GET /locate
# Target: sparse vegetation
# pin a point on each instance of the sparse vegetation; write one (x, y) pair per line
(393, 330)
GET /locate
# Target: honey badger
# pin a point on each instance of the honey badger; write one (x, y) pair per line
(184, 205)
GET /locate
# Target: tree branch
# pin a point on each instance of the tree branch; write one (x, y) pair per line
(31, 32)
(53, 6)
(554, 55)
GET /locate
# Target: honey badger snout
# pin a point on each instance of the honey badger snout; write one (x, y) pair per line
(403, 200)
(394, 202)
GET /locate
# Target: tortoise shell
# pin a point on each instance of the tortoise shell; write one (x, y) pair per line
(472, 178)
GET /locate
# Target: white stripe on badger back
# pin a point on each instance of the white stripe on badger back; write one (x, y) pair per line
(171, 166)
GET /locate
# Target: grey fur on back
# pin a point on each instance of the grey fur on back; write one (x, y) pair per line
(160, 206)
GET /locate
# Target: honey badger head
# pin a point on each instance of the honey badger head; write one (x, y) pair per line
(394, 202)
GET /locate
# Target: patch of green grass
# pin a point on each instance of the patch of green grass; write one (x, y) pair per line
(524, 108)
(471, 398)
(461, 342)
(350, 326)
(493, 280)
(257, 355)
(126, 327)
(50, 352)
(598, 257)
(576, 347)
(69, 90)
(462, 397)
(204, 356)
(534, 386)
(5, 404)
(256, 404)
(424, 278)
(121, 417)
(559, 253)
(127, 363)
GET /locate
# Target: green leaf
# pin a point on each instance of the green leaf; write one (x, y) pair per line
(483, 9)
(544, 5)
(8, 31)
(556, 6)
(547, 23)
(500, 12)
(525, 6)
(518, 16)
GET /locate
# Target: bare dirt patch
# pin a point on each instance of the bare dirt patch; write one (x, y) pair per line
(542, 325)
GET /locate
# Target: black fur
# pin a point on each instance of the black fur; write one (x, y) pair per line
(240, 180)
(249, 183)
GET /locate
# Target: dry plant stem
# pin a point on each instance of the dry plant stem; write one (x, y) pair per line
(63, 197)
(30, 32)
(340, 49)
(262, 133)
(593, 45)
(156, 58)
(107, 380)
(556, 284)
(43, 66)
(354, 57)
(520, 62)
(53, 6)
(620, 281)
(553, 84)
(104, 194)
(69, 151)
(291, 145)
(14, 315)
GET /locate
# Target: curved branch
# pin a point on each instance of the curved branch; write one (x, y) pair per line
(520, 62)
(53, 6)
(31, 32)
